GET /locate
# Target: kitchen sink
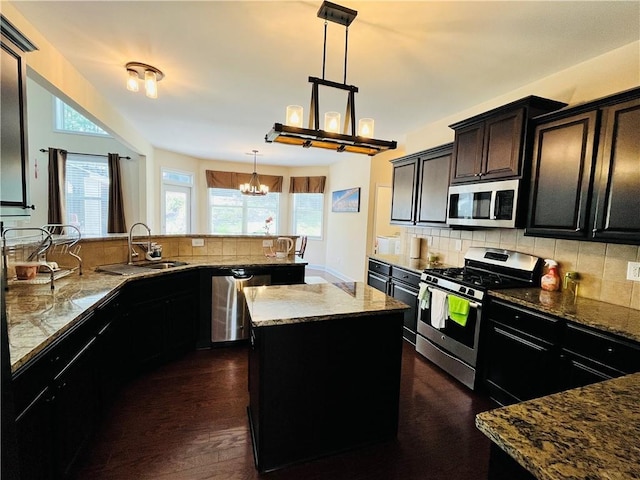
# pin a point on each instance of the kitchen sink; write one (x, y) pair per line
(138, 267)
(161, 265)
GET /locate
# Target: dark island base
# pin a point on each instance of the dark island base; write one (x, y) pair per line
(323, 387)
(503, 467)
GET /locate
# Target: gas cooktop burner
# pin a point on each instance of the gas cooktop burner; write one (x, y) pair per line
(474, 278)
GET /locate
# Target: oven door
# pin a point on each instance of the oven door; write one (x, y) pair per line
(461, 342)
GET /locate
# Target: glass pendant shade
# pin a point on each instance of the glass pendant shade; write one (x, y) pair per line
(294, 116)
(132, 81)
(365, 127)
(150, 84)
(332, 122)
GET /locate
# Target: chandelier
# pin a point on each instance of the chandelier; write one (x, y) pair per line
(254, 187)
(330, 137)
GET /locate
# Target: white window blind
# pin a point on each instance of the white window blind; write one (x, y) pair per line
(230, 212)
(308, 211)
(87, 193)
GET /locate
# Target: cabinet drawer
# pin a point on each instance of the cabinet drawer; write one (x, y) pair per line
(405, 276)
(538, 326)
(611, 351)
(378, 267)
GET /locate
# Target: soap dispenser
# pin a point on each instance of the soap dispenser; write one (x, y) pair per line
(570, 285)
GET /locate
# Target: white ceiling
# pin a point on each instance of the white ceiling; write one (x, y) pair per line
(232, 66)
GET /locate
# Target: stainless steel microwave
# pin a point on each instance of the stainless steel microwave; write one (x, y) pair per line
(490, 204)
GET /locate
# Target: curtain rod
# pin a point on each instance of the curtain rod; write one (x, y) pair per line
(45, 150)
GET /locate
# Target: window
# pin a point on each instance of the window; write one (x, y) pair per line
(176, 204)
(69, 120)
(308, 210)
(87, 193)
(230, 212)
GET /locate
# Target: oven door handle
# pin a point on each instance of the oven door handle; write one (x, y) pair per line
(471, 304)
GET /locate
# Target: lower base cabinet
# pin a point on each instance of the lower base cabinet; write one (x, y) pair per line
(528, 355)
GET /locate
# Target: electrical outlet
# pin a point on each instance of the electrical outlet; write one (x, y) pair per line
(197, 242)
(633, 271)
(267, 243)
(458, 245)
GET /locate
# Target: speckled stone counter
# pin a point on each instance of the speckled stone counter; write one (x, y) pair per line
(588, 433)
(603, 316)
(37, 315)
(403, 261)
(288, 304)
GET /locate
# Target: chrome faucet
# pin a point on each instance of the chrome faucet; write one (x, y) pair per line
(132, 252)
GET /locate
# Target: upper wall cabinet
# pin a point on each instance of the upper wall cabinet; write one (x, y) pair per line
(420, 187)
(585, 174)
(491, 145)
(14, 161)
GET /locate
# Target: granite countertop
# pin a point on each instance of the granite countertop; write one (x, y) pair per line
(417, 265)
(288, 304)
(37, 315)
(587, 433)
(603, 316)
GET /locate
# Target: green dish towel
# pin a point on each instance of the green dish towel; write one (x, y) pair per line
(458, 309)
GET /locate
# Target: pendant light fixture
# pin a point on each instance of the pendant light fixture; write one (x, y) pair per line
(141, 71)
(332, 136)
(254, 187)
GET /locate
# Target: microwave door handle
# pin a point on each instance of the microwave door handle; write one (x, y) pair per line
(492, 207)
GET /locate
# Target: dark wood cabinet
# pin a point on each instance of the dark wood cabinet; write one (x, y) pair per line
(34, 427)
(585, 174)
(14, 160)
(562, 175)
(403, 190)
(520, 360)
(420, 187)
(433, 185)
(163, 322)
(378, 275)
(290, 275)
(527, 354)
(617, 196)
(74, 409)
(492, 145)
(404, 286)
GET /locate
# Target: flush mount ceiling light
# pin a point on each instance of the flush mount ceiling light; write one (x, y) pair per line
(330, 137)
(254, 187)
(137, 71)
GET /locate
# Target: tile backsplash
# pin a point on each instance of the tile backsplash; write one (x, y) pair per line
(602, 266)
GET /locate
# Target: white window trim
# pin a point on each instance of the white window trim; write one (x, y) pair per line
(57, 112)
(322, 221)
(164, 183)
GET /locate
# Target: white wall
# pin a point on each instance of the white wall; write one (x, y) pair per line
(347, 232)
(41, 134)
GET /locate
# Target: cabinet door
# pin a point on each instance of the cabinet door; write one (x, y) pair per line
(14, 188)
(403, 192)
(147, 322)
(517, 367)
(563, 162)
(407, 295)
(467, 154)
(433, 190)
(74, 409)
(617, 206)
(377, 282)
(34, 429)
(576, 372)
(181, 324)
(503, 146)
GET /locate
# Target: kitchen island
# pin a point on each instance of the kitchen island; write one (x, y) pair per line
(324, 370)
(590, 433)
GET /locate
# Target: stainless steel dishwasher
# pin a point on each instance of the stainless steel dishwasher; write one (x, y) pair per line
(229, 315)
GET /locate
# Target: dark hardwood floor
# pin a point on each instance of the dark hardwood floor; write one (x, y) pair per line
(188, 420)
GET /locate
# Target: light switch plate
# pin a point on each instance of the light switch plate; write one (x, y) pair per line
(633, 271)
(197, 242)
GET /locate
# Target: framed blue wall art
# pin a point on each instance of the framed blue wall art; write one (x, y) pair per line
(346, 200)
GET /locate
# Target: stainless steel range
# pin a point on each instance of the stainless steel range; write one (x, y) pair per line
(451, 302)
